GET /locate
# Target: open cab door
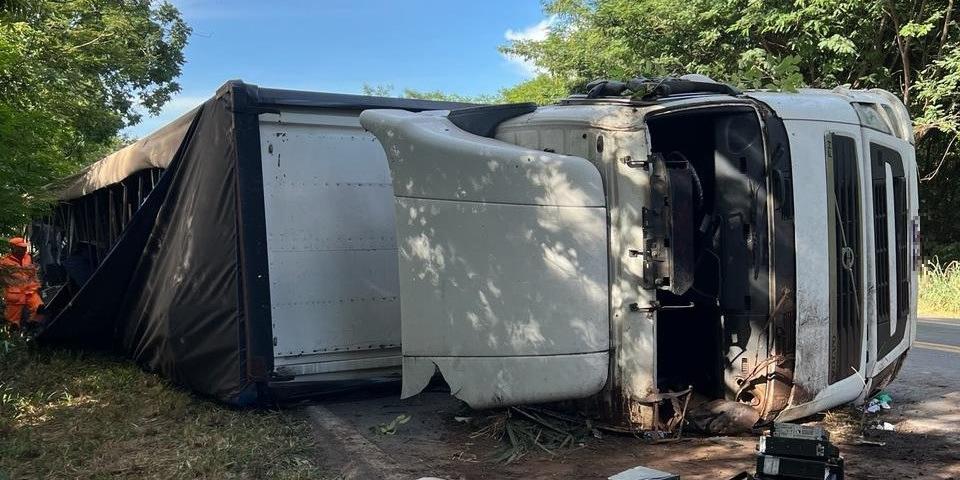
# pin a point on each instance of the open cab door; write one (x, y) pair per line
(502, 261)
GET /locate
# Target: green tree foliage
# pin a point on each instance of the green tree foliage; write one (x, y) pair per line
(72, 74)
(380, 90)
(377, 90)
(907, 47)
(543, 89)
(449, 97)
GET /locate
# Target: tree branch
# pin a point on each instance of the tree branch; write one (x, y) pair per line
(946, 152)
(903, 45)
(946, 26)
(91, 42)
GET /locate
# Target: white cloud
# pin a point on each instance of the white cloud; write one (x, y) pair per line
(536, 32)
(533, 32)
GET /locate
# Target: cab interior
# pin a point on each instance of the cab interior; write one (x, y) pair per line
(711, 329)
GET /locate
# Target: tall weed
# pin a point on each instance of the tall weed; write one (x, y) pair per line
(939, 292)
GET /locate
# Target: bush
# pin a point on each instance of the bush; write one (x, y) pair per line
(939, 292)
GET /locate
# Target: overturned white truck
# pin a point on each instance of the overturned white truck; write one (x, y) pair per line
(648, 237)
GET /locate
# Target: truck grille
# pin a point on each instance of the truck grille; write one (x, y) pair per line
(882, 251)
(880, 157)
(846, 321)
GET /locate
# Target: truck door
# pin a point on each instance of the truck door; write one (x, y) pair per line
(502, 260)
(831, 328)
(845, 250)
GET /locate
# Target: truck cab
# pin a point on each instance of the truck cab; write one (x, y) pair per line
(657, 238)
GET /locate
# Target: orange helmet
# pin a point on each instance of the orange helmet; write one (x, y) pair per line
(18, 242)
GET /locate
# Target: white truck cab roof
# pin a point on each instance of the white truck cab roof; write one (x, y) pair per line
(877, 109)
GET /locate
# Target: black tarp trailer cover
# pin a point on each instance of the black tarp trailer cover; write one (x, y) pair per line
(181, 277)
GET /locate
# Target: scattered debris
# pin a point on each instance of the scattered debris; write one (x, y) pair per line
(594, 427)
(391, 428)
(794, 451)
(644, 473)
(723, 417)
(845, 424)
(880, 401)
(522, 430)
(886, 426)
(463, 456)
(656, 436)
(678, 402)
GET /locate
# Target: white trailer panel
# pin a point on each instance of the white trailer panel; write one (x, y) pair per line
(331, 245)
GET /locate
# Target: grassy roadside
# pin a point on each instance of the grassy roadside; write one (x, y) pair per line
(939, 290)
(80, 415)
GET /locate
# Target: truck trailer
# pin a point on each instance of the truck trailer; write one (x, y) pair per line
(657, 238)
(245, 250)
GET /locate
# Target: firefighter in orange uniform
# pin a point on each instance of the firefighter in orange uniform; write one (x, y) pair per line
(21, 295)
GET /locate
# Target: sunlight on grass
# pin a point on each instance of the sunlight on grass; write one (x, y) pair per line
(70, 414)
(939, 292)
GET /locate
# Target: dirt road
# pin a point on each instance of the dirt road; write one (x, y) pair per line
(926, 444)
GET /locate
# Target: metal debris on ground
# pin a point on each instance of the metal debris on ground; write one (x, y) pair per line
(798, 452)
(644, 473)
(522, 430)
(391, 427)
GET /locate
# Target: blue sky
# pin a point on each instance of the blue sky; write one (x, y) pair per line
(337, 46)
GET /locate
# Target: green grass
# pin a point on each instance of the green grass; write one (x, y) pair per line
(67, 414)
(939, 291)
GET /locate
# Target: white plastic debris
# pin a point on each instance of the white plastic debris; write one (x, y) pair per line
(886, 426)
(644, 473)
(880, 401)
